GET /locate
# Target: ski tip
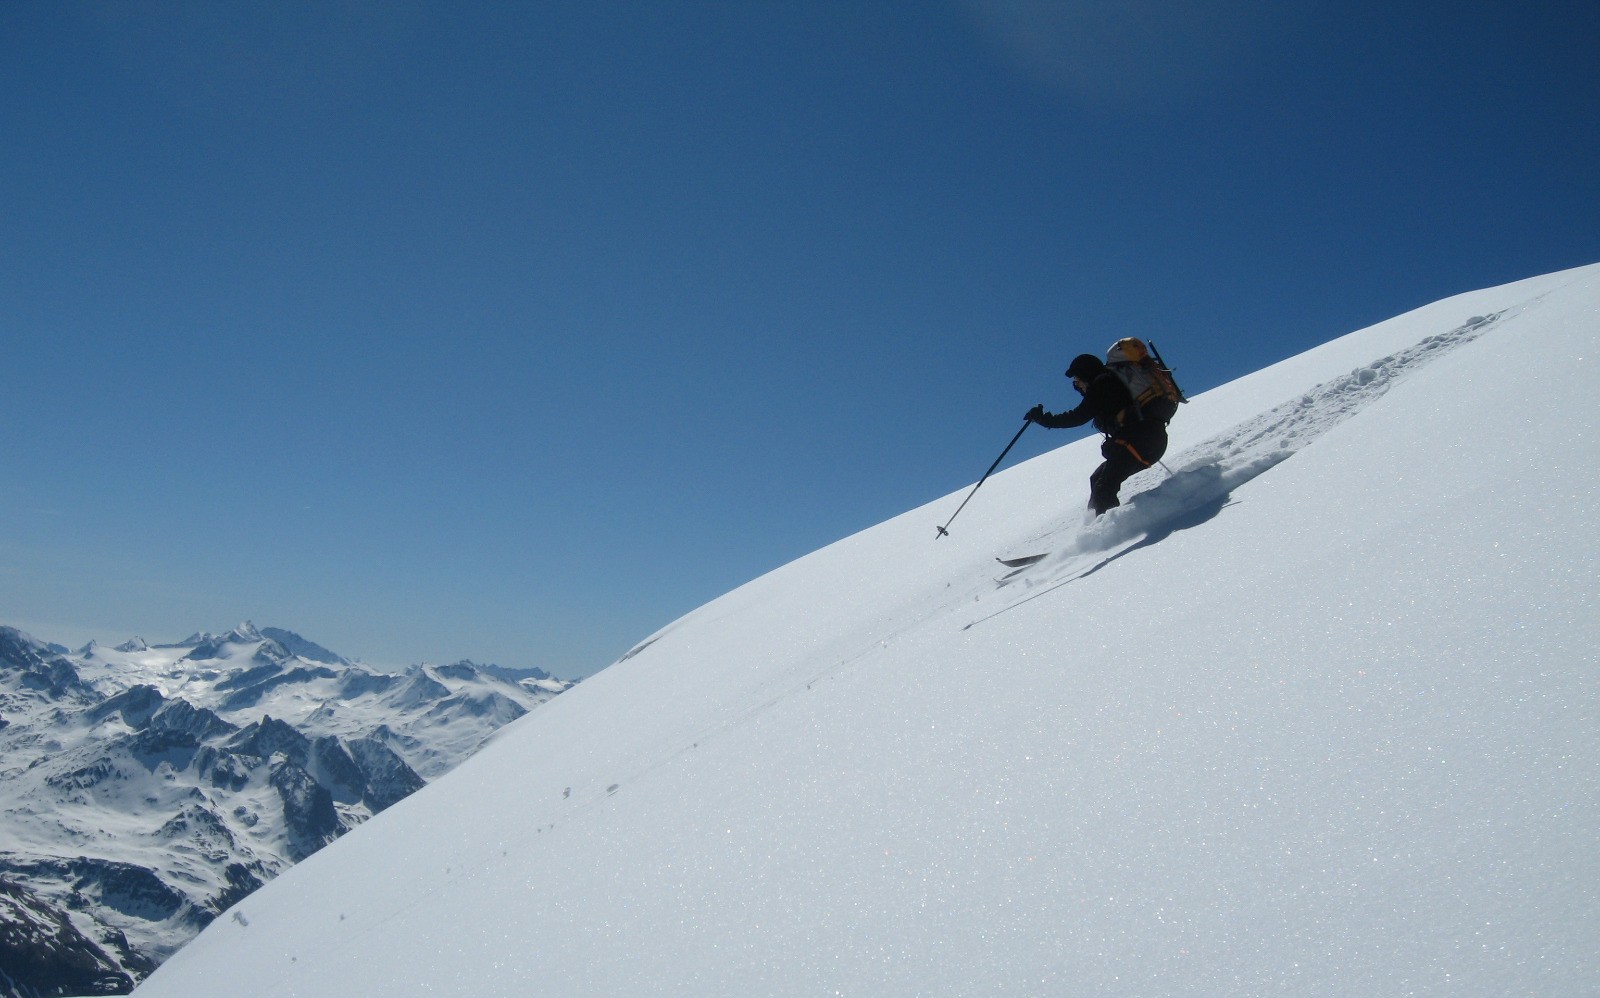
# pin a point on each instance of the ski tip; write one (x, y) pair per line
(1025, 560)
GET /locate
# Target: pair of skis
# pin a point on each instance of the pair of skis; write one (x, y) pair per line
(1016, 566)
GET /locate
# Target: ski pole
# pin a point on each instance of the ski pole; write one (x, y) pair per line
(942, 531)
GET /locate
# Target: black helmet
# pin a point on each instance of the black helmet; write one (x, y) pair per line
(1086, 366)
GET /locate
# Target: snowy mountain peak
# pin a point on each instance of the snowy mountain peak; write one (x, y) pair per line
(301, 648)
(242, 642)
(17, 648)
(135, 706)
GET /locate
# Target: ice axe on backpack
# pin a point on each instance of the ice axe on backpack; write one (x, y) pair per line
(943, 532)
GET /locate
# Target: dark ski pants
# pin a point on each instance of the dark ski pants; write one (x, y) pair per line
(1123, 460)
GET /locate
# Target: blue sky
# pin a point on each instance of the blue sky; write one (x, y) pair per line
(514, 331)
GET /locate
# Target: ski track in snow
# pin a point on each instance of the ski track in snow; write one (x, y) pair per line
(1200, 486)
(1204, 477)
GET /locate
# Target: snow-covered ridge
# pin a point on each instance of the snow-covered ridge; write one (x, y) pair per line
(1314, 715)
(144, 789)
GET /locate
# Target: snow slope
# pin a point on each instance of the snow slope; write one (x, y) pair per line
(1315, 715)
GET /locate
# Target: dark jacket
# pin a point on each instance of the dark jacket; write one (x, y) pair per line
(1107, 404)
(1104, 399)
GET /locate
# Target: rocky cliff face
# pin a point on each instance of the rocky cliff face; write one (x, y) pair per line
(42, 952)
(146, 789)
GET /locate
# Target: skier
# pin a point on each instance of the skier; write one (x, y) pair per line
(1132, 443)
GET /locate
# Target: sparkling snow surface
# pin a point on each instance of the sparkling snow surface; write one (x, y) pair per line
(1316, 715)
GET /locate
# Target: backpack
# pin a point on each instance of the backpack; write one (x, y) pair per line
(1156, 394)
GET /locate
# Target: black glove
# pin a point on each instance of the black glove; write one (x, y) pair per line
(1035, 414)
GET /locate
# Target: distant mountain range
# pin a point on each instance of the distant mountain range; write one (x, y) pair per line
(146, 788)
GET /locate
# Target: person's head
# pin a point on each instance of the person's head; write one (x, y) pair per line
(1084, 368)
